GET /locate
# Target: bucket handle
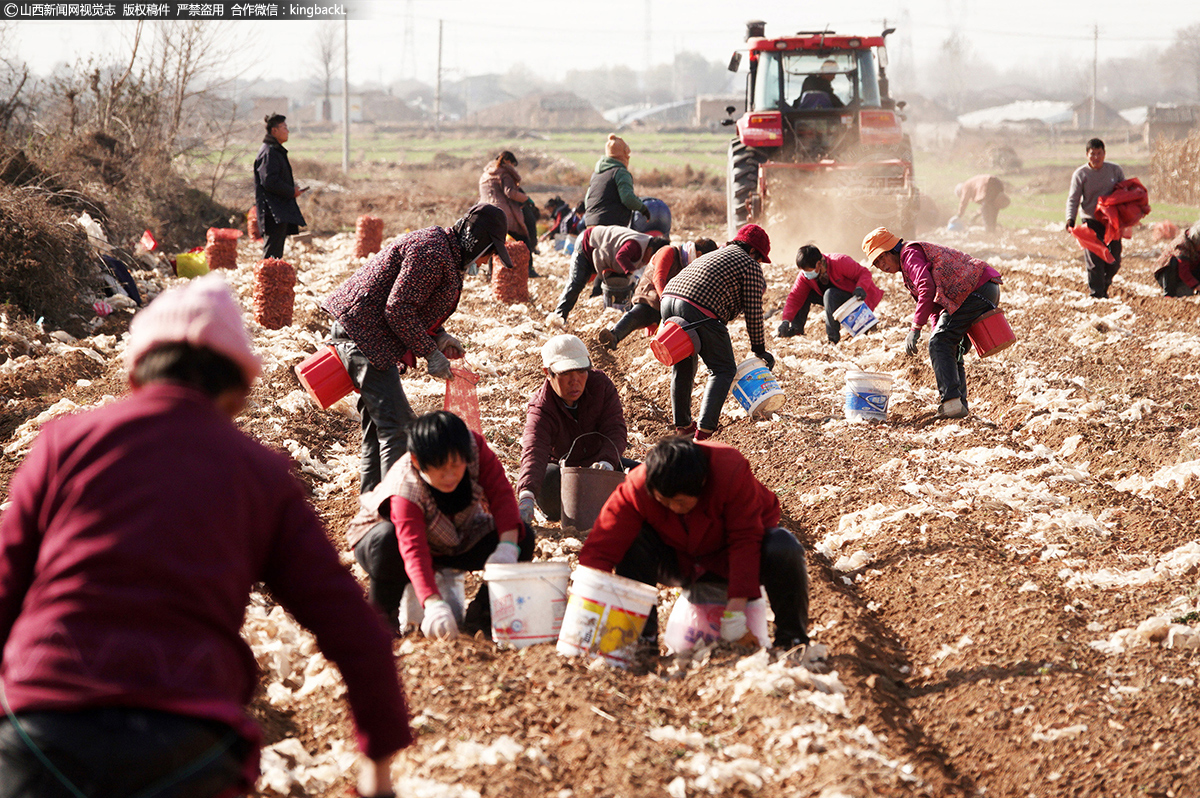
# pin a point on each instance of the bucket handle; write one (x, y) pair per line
(563, 462)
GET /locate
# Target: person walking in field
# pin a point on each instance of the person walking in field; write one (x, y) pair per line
(1095, 179)
(950, 287)
(134, 536)
(275, 191)
(500, 185)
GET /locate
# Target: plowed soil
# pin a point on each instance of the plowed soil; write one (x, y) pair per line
(977, 585)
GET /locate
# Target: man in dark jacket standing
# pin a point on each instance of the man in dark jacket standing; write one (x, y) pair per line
(275, 191)
(574, 402)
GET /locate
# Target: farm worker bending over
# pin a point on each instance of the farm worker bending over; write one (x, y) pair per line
(275, 190)
(135, 535)
(500, 185)
(1178, 267)
(952, 287)
(709, 293)
(988, 191)
(576, 411)
(391, 311)
(444, 504)
(1090, 182)
(610, 199)
(695, 513)
(614, 253)
(827, 281)
(647, 297)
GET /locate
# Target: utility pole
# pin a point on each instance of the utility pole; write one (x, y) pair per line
(646, 45)
(1095, 69)
(437, 97)
(346, 96)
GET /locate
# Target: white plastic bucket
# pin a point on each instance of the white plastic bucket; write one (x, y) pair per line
(528, 601)
(605, 615)
(696, 619)
(856, 316)
(867, 394)
(756, 388)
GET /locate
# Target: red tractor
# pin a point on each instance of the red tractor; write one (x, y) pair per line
(820, 155)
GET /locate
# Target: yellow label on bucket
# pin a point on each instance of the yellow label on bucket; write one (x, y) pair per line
(619, 629)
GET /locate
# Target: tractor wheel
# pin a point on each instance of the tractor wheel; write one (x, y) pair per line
(741, 183)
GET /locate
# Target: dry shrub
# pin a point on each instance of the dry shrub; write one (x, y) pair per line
(311, 169)
(701, 207)
(44, 257)
(1175, 170)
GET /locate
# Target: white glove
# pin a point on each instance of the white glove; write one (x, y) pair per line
(603, 465)
(505, 554)
(733, 626)
(525, 507)
(438, 366)
(449, 346)
(439, 620)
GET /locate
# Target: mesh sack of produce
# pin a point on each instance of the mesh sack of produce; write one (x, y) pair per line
(368, 236)
(221, 250)
(274, 293)
(511, 286)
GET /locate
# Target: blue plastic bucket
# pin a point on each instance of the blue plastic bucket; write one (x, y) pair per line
(756, 388)
(856, 316)
(867, 394)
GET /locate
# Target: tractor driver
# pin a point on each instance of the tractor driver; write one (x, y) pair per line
(817, 89)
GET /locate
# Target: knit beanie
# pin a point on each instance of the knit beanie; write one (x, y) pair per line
(616, 147)
(202, 313)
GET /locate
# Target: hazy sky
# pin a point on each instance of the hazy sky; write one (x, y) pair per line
(481, 36)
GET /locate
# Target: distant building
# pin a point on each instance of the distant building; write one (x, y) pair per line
(1106, 117)
(1170, 123)
(555, 111)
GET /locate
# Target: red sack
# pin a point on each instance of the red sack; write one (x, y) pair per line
(1122, 209)
(462, 399)
(511, 286)
(1087, 239)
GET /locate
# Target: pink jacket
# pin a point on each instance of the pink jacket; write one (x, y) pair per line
(501, 186)
(844, 272)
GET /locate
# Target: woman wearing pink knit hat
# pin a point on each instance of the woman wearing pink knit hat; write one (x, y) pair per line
(134, 536)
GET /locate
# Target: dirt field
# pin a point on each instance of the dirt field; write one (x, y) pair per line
(1007, 605)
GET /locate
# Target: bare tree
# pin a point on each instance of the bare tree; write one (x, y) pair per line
(1182, 58)
(327, 54)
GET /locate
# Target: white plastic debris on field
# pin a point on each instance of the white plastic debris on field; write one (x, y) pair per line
(286, 764)
(1170, 477)
(1168, 628)
(721, 777)
(468, 754)
(1061, 733)
(1177, 562)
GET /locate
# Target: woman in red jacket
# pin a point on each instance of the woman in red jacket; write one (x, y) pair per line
(826, 281)
(694, 512)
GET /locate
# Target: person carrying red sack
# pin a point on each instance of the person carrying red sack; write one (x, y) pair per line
(1095, 179)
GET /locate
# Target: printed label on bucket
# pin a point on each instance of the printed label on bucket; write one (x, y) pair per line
(860, 319)
(867, 405)
(591, 627)
(755, 386)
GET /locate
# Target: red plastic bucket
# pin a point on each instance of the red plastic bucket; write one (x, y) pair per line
(990, 333)
(672, 344)
(324, 377)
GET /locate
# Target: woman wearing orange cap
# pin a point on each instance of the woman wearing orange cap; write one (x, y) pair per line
(950, 286)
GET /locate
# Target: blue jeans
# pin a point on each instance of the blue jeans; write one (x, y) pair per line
(639, 316)
(949, 341)
(582, 268)
(831, 300)
(716, 350)
(119, 751)
(386, 413)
